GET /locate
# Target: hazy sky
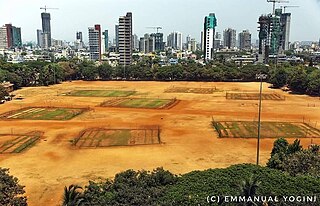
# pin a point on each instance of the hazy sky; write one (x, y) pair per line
(185, 16)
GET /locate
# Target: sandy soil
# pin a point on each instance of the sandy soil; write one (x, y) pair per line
(190, 143)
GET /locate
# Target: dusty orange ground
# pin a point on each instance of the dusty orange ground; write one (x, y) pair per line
(189, 141)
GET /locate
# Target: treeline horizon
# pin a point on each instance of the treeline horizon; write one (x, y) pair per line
(298, 78)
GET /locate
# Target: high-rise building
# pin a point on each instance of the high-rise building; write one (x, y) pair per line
(174, 40)
(79, 36)
(39, 38)
(188, 43)
(6, 40)
(147, 43)
(285, 20)
(135, 42)
(16, 35)
(46, 30)
(210, 22)
(10, 37)
(95, 42)
(106, 40)
(141, 44)
(274, 32)
(117, 37)
(125, 39)
(193, 44)
(264, 40)
(79, 43)
(202, 40)
(3, 37)
(245, 40)
(188, 39)
(159, 44)
(229, 38)
(217, 41)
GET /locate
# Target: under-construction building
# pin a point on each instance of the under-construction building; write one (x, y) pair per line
(274, 31)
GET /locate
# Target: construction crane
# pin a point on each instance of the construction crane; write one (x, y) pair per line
(274, 4)
(45, 8)
(284, 8)
(155, 27)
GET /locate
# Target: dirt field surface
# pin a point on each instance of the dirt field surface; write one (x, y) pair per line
(189, 141)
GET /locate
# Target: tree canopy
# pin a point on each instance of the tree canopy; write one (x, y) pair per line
(11, 192)
(298, 78)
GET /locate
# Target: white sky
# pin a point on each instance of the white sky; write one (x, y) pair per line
(185, 16)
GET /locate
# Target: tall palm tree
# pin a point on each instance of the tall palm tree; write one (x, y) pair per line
(72, 196)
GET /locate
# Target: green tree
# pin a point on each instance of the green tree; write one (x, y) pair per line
(129, 188)
(104, 71)
(304, 162)
(51, 74)
(278, 77)
(193, 188)
(294, 147)
(295, 160)
(88, 70)
(11, 192)
(70, 70)
(313, 86)
(278, 154)
(72, 196)
(3, 74)
(298, 80)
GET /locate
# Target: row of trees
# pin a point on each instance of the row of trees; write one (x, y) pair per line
(44, 73)
(303, 80)
(299, 78)
(161, 187)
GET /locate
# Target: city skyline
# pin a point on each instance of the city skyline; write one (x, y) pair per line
(183, 16)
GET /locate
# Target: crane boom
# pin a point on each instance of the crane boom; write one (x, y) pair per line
(274, 4)
(45, 8)
(284, 8)
(154, 27)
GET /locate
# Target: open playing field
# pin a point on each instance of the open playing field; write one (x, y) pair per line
(42, 113)
(99, 137)
(191, 90)
(100, 93)
(188, 140)
(12, 143)
(246, 129)
(140, 103)
(254, 96)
